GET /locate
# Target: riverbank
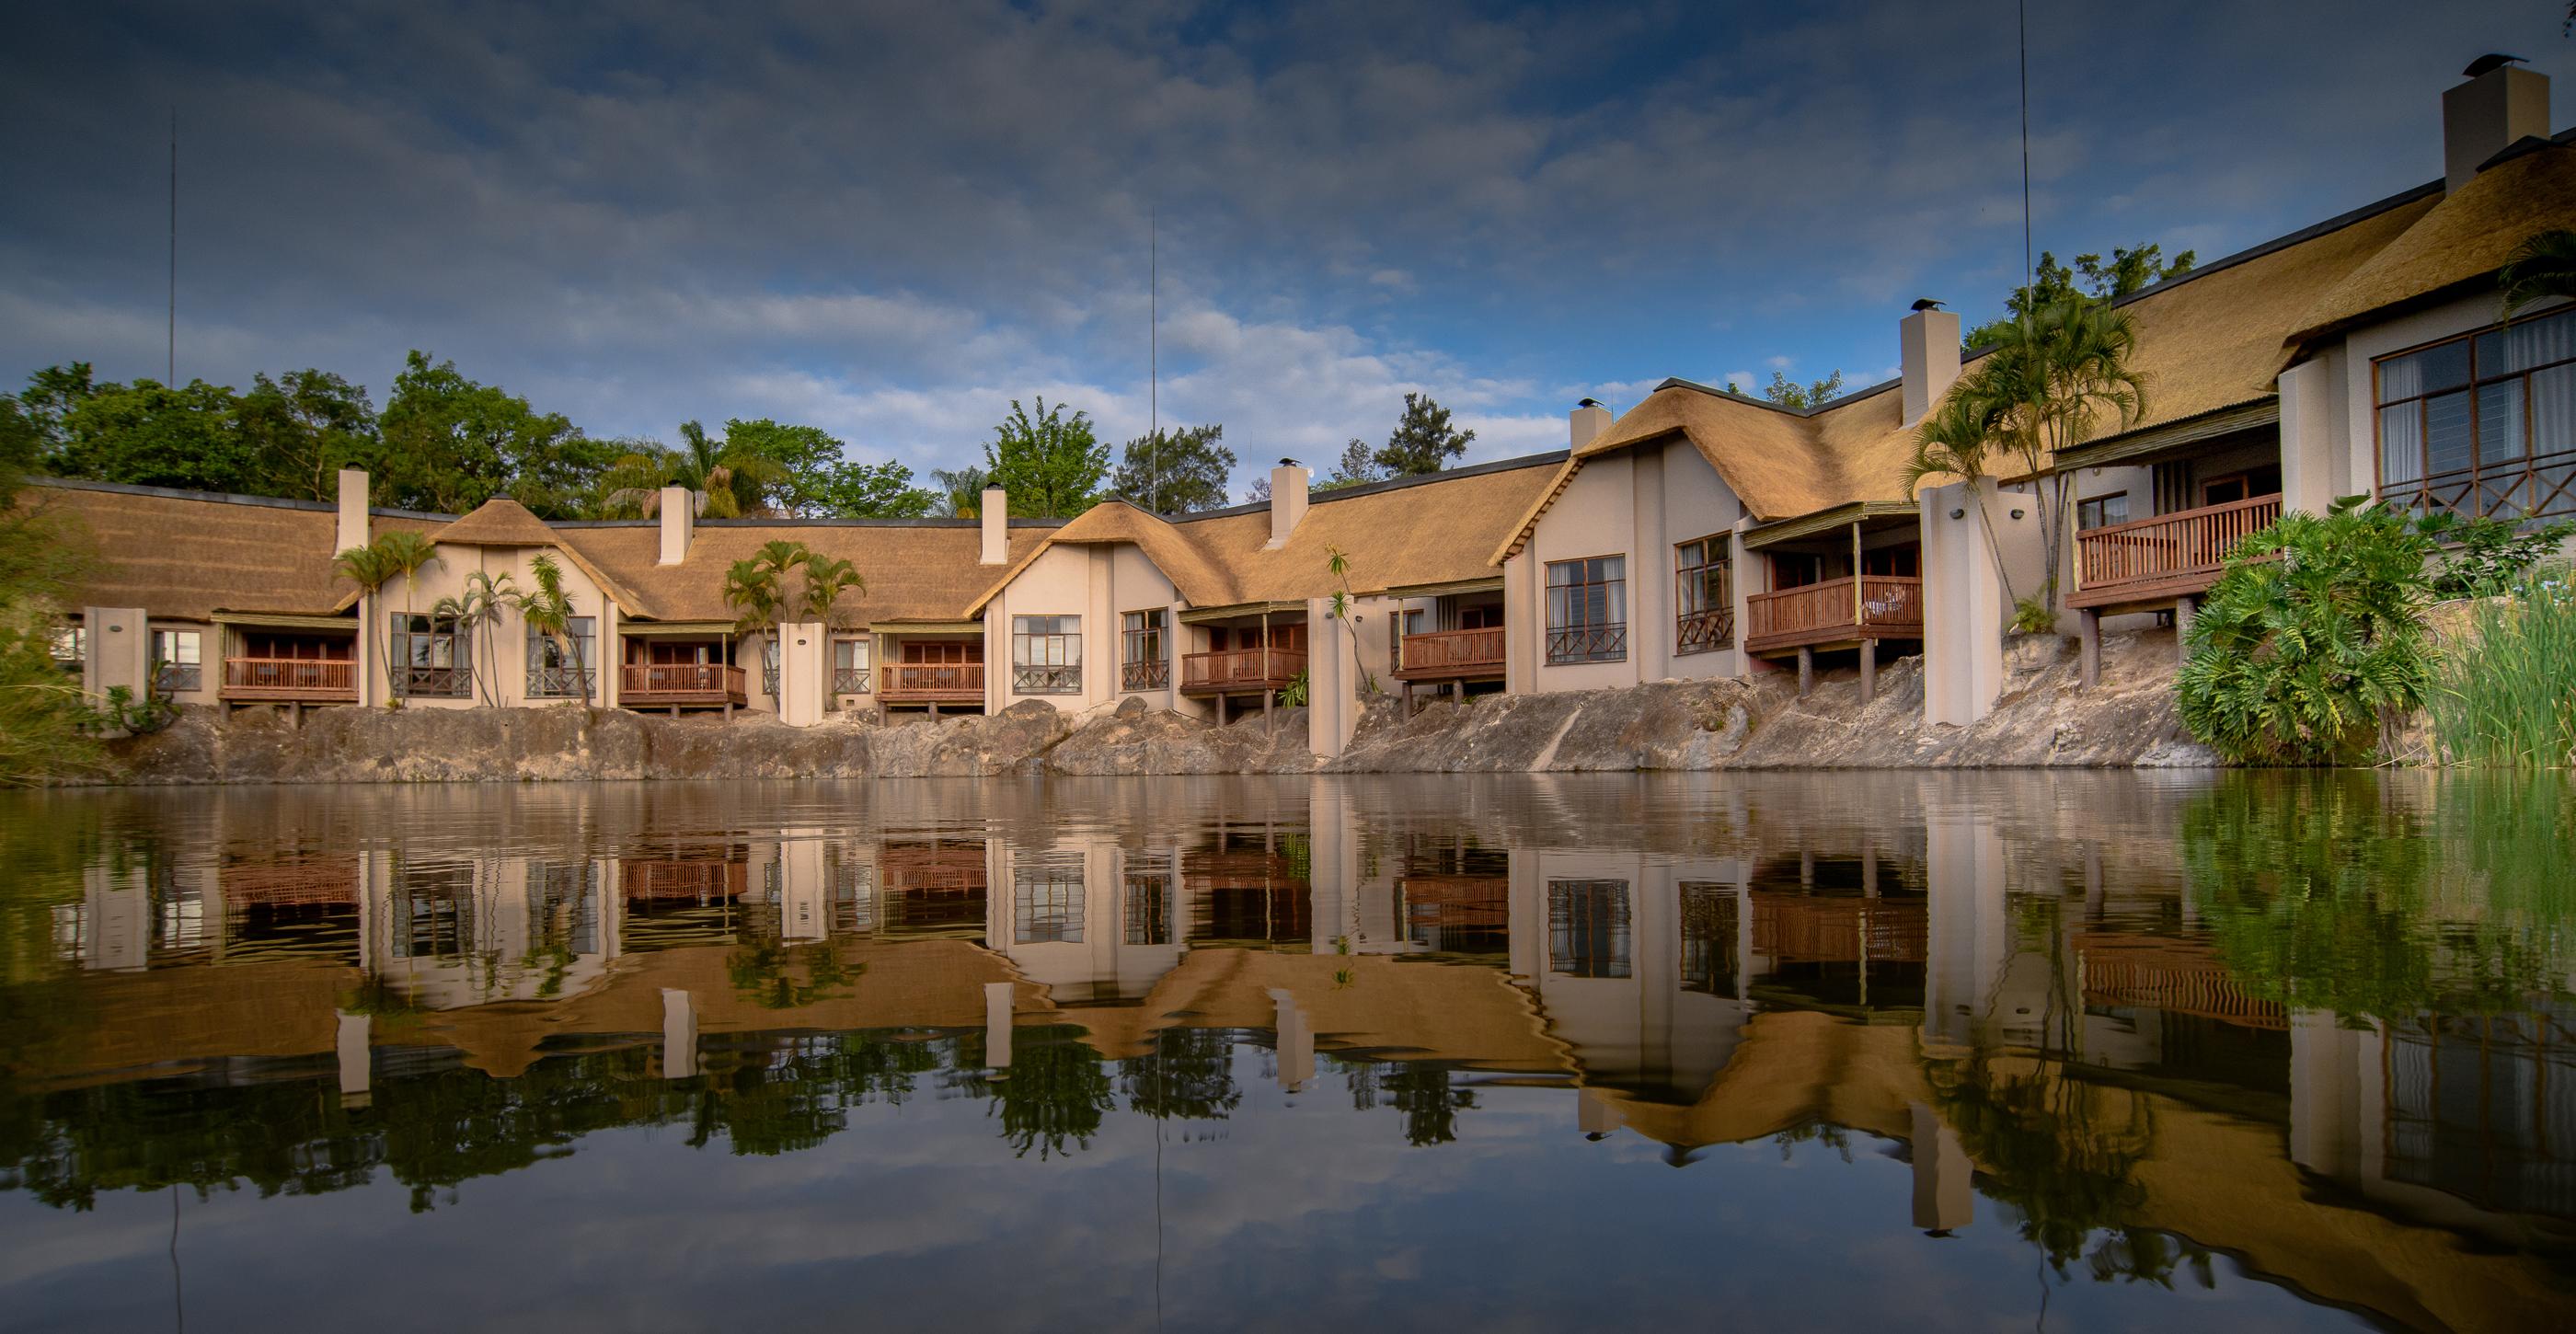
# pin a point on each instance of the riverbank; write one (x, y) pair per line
(2043, 721)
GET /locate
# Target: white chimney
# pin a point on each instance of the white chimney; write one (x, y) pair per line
(1928, 358)
(2501, 105)
(679, 510)
(353, 510)
(1586, 423)
(1289, 483)
(996, 511)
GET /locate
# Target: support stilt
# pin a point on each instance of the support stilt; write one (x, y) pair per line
(2088, 640)
(1806, 671)
(2185, 608)
(1868, 670)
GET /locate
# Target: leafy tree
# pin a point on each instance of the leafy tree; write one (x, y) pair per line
(477, 611)
(2484, 557)
(450, 444)
(1050, 463)
(853, 490)
(44, 731)
(959, 493)
(304, 427)
(49, 397)
(1789, 393)
(2312, 643)
(1175, 472)
(1259, 491)
(149, 434)
(779, 467)
(2543, 266)
(1358, 466)
(1954, 441)
(1423, 441)
(2126, 272)
(548, 610)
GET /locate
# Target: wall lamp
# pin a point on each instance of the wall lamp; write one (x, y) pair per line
(1958, 514)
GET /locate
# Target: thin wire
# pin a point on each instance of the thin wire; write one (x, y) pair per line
(178, 1293)
(1154, 356)
(2029, 276)
(174, 247)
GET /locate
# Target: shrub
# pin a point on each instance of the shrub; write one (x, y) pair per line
(2508, 698)
(2313, 641)
(2484, 557)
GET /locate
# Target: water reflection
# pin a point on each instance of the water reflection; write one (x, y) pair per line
(2310, 1032)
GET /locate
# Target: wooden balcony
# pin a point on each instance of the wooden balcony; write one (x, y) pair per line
(1450, 655)
(681, 683)
(931, 683)
(1835, 612)
(289, 681)
(2166, 557)
(1240, 670)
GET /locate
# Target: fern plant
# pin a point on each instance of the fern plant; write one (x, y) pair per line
(2312, 643)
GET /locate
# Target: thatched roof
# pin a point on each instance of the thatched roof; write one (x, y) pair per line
(915, 570)
(1414, 531)
(2456, 244)
(187, 555)
(500, 522)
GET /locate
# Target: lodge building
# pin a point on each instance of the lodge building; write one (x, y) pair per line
(1699, 533)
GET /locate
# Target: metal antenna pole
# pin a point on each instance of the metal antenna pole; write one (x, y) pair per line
(174, 248)
(1154, 352)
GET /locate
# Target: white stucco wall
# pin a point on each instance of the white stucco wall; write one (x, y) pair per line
(1099, 583)
(1636, 504)
(500, 647)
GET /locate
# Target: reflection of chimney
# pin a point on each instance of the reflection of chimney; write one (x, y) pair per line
(1927, 344)
(996, 511)
(1296, 1041)
(1943, 1198)
(679, 1031)
(357, 1059)
(679, 520)
(353, 510)
(2501, 105)
(1586, 423)
(1289, 483)
(997, 1025)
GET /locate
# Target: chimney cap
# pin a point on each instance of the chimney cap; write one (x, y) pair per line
(1288, 463)
(1926, 303)
(1588, 403)
(2490, 63)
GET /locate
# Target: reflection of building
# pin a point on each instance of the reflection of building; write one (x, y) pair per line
(467, 932)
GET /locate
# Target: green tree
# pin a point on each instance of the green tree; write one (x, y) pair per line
(149, 434)
(304, 427)
(451, 444)
(790, 466)
(959, 493)
(476, 610)
(853, 490)
(1423, 441)
(2126, 272)
(1357, 466)
(1789, 393)
(548, 610)
(44, 721)
(2543, 266)
(1176, 472)
(49, 397)
(1050, 463)
(2312, 643)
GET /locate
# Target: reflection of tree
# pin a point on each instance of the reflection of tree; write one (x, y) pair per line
(1190, 1076)
(759, 970)
(781, 1095)
(2320, 896)
(1054, 1094)
(1419, 1090)
(2061, 1152)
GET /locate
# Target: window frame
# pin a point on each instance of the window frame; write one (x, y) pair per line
(1144, 649)
(1574, 643)
(857, 677)
(180, 671)
(2526, 469)
(553, 677)
(407, 677)
(1703, 629)
(1059, 672)
(2095, 504)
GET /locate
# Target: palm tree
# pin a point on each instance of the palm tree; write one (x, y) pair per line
(732, 475)
(2053, 377)
(370, 569)
(2543, 266)
(1952, 441)
(476, 611)
(1342, 609)
(399, 553)
(825, 582)
(962, 491)
(752, 589)
(548, 609)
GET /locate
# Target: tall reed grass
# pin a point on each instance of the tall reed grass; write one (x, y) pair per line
(2506, 697)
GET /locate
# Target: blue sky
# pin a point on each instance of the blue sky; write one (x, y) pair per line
(890, 220)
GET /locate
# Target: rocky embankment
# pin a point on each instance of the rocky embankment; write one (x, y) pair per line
(2042, 720)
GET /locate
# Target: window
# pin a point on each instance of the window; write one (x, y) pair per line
(850, 674)
(1709, 928)
(71, 647)
(1897, 562)
(1587, 928)
(1793, 569)
(176, 664)
(2102, 511)
(1704, 594)
(2483, 424)
(1151, 906)
(1587, 610)
(1046, 655)
(561, 668)
(1046, 898)
(431, 658)
(1143, 664)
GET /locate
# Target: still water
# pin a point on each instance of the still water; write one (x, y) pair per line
(1933, 1051)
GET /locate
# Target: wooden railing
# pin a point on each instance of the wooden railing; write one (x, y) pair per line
(1244, 668)
(1145, 674)
(941, 681)
(2177, 553)
(291, 679)
(852, 680)
(1451, 653)
(1875, 606)
(682, 683)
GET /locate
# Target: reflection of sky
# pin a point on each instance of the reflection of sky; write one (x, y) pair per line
(1297, 1212)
